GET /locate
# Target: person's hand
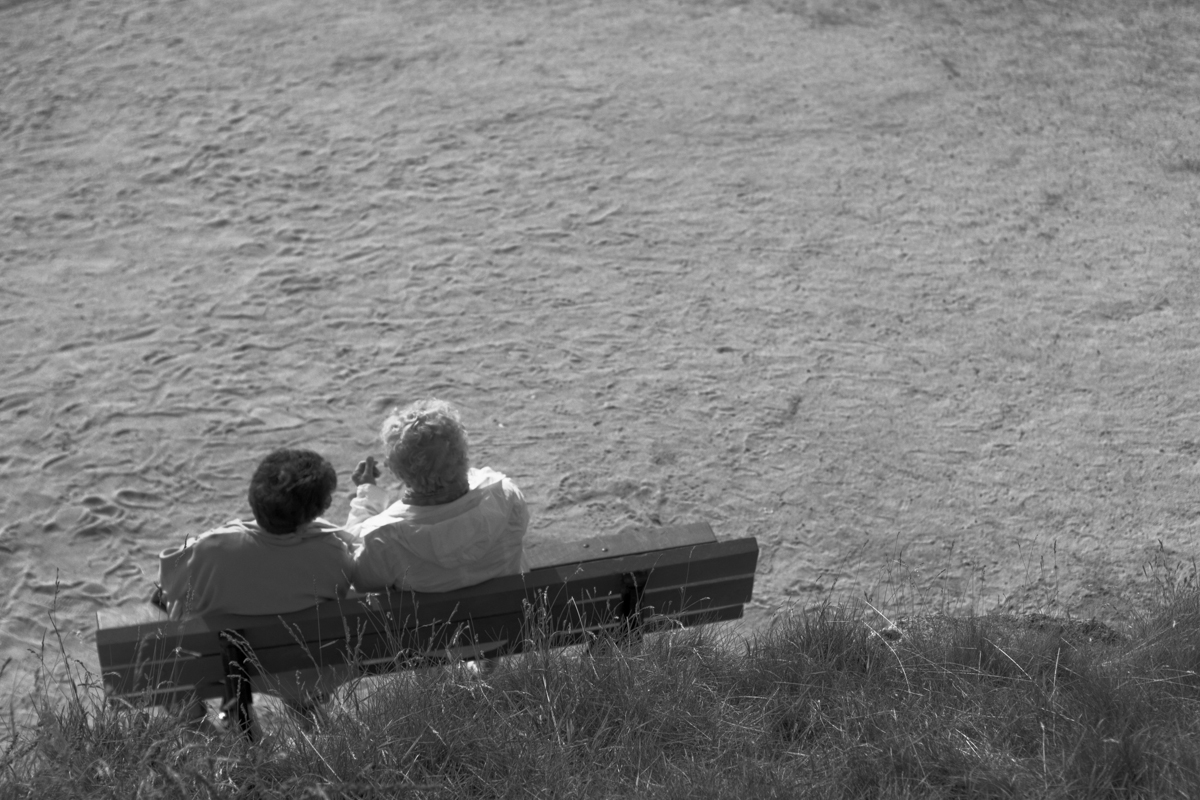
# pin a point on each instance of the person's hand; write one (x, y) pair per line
(157, 600)
(366, 472)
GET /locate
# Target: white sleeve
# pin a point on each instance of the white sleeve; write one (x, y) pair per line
(368, 501)
(372, 567)
(518, 519)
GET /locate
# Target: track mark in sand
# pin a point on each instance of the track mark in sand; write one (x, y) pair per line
(50, 587)
(132, 498)
(130, 336)
(100, 506)
(76, 345)
(91, 525)
(11, 462)
(274, 420)
(294, 236)
(98, 519)
(573, 489)
(92, 589)
(94, 530)
(52, 460)
(19, 400)
(124, 568)
(297, 284)
(603, 214)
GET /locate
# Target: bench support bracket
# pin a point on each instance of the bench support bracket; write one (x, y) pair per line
(238, 697)
(631, 606)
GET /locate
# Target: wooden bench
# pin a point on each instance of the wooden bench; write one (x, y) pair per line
(575, 592)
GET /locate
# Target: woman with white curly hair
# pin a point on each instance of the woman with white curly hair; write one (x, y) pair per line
(452, 527)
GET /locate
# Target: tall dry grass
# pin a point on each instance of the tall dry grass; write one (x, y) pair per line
(820, 705)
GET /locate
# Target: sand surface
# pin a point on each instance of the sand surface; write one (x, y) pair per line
(906, 290)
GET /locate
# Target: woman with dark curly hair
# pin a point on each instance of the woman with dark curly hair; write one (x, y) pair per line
(287, 558)
(452, 527)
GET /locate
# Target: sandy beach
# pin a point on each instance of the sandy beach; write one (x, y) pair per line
(905, 290)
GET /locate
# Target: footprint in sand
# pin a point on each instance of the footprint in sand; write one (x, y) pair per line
(51, 587)
(91, 589)
(275, 420)
(94, 529)
(101, 506)
(132, 498)
(124, 568)
(98, 519)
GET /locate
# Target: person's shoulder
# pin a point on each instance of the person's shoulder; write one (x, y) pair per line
(320, 525)
(488, 479)
(510, 488)
(387, 524)
(331, 534)
(226, 534)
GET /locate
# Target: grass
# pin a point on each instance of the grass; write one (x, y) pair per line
(820, 705)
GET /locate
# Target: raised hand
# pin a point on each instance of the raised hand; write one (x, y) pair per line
(367, 471)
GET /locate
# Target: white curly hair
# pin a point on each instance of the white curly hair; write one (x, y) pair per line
(425, 446)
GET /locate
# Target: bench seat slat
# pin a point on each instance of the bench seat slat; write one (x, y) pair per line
(629, 542)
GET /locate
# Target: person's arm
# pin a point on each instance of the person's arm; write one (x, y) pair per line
(347, 585)
(372, 566)
(368, 501)
(518, 518)
(173, 583)
(179, 565)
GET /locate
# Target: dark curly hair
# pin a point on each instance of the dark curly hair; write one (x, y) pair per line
(290, 488)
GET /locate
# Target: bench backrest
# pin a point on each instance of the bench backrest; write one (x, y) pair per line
(602, 586)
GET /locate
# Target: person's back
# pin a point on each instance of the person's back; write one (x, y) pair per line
(453, 527)
(286, 560)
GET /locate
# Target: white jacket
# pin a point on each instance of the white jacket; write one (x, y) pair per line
(439, 548)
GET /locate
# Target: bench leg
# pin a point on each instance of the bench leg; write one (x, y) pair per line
(236, 709)
(631, 608)
(628, 633)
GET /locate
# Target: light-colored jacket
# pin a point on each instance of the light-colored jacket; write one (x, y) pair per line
(239, 568)
(443, 547)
